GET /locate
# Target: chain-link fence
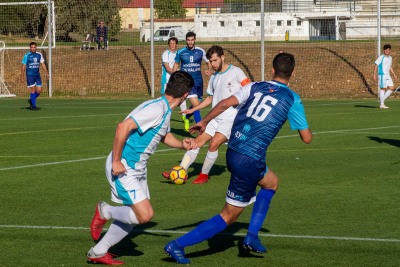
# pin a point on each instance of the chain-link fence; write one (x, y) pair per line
(334, 42)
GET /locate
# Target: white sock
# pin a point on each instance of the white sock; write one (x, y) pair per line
(115, 233)
(106, 211)
(189, 158)
(387, 94)
(124, 214)
(209, 161)
(382, 96)
(183, 106)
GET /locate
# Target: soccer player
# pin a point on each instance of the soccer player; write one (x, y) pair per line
(190, 58)
(136, 138)
(168, 61)
(265, 108)
(31, 63)
(384, 64)
(226, 81)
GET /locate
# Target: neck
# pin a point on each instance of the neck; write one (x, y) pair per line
(173, 102)
(190, 48)
(277, 79)
(173, 51)
(224, 68)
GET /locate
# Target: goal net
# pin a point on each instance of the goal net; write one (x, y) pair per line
(4, 92)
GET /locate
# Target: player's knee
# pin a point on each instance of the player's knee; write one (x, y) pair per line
(33, 89)
(213, 146)
(39, 90)
(145, 217)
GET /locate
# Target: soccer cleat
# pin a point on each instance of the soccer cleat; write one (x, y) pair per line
(383, 106)
(165, 175)
(106, 258)
(35, 109)
(30, 103)
(187, 123)
(98, 221)
(253, 243)
(201, 179)
(176, 252)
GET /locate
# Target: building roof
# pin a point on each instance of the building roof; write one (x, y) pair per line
(186, 3)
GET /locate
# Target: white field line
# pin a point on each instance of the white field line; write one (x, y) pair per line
(234, 234)
(78, 116)
(78, 160)
(336, 104)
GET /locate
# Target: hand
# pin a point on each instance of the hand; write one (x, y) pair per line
(208, 72)
(374, 78)
(395, 77)
(199, 127)
(118, 168)
(47, 76)
(189, 143)
(101, 39)
(22, 80)
(187, 111)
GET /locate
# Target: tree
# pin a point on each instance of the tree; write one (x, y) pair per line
(168, 9)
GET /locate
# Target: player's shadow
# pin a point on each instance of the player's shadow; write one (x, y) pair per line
(181, 131)
(392, 142)
(365, 106)
(28, 108)
(216, 169)
(222, 241)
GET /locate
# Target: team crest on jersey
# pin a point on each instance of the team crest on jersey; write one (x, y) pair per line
(35, 60)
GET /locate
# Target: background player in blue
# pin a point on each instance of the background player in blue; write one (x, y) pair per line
(190, 58)
(265, 108)
(31, 63)
(136, 138)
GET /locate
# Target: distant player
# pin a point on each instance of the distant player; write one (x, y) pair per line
(31, 63)
(136, 138)
(191, 57)
(168, 61)
(384, 65)
(265, 108)
(226, 81)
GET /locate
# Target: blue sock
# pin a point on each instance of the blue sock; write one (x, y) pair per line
(197, 116)
(189, 115)
(260, 209)
(33, 100)
(202, 232)
(37, 94)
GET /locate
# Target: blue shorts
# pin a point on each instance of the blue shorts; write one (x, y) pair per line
(34, 80)
(197, 91)
(246, 172)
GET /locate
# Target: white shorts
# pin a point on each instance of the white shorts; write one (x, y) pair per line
(221, 126)
(128, 188)
(385, 81)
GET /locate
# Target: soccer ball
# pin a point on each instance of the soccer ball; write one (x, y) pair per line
(178, 175)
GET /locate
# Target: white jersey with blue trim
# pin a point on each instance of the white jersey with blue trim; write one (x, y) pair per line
(223, 85)
(169, 58)
(384, 63)
(153, 120)
(265, 107)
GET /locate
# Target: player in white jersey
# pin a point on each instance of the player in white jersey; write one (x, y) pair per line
(168, 61)
(226, 81)
(136, 138)
(384, 66)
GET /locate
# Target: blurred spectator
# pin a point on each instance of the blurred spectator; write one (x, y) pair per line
(101, 35)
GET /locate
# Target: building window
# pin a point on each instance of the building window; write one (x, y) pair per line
(257, 23)
(279, 23)
(222, 23)
(299, 23)
(239, 23)
(204, 24)
(289, 23)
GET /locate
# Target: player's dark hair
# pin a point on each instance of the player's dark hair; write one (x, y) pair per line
(173, 39)
(32, 43)
(284, 65)
(179, 84)
(215, 49)
(386, 46)
(191, 34)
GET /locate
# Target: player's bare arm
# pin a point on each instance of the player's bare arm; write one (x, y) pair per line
(218, 109)
(121, 134)
(392, 71)
(205, 103)
(45, 70)
(170, 140)
(166, 65)
(208, 72)
(23, 72)
(176, 65)
(375, 69)
(306, 135)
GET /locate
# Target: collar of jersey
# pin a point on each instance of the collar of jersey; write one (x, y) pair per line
(224, 71)
(278, 84)
(163, 97)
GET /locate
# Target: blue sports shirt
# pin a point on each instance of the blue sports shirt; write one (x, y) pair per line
(265, 107)
(32, 62)
(191, 62)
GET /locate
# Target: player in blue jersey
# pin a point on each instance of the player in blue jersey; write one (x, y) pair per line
(265, 108)
(31, 62)
(136, 138)
(190, 58)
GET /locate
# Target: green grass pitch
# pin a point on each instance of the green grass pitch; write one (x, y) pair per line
(337, 202)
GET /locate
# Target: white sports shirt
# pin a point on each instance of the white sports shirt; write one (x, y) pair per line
(167, 57)
(384, 63)
(152, 118)
(223, 85)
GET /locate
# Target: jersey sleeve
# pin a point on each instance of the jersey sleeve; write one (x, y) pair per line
(210, 88)
(297, 116)
(205, 59)
(164, 57)
(25, 59)
(146, 118)
(379, 60)
(41, 58)
(242, 78)
(177, 57)
(243, 94)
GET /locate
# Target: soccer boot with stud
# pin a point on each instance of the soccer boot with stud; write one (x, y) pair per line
(176, 252)
(253, 243)
(98, 221)
(30, 103)
(201, 179)
(107, 258)
(165, 175)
